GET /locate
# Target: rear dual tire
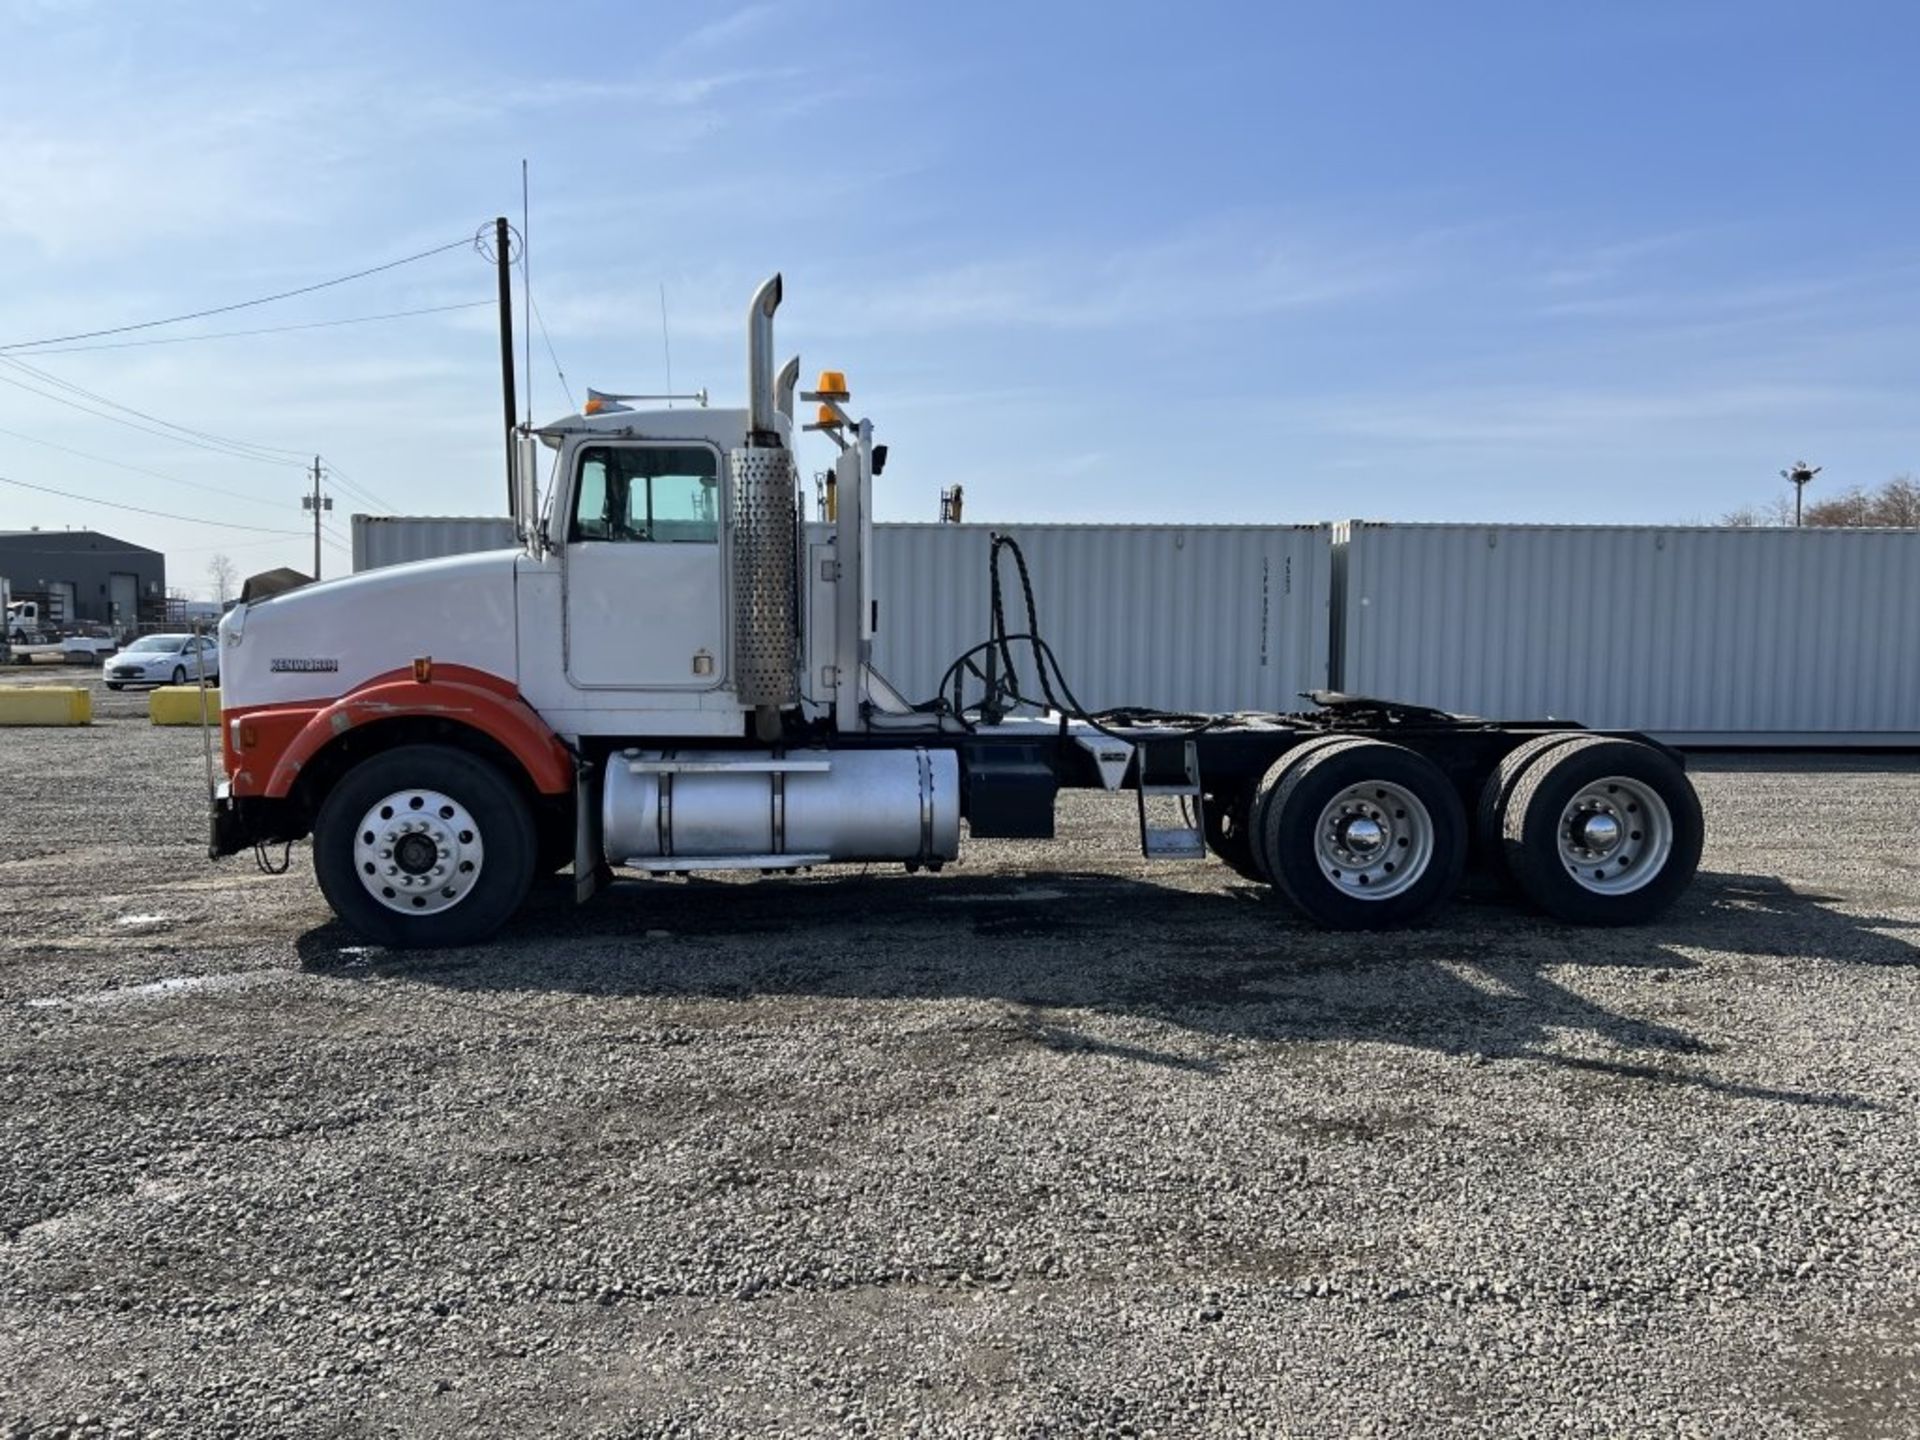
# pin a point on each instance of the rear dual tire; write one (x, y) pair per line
(1597, 830)
(1229, 830)
(1359, 834)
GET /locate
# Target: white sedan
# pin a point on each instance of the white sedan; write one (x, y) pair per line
(164, 660)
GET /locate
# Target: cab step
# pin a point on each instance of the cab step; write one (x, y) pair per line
(1169, 788)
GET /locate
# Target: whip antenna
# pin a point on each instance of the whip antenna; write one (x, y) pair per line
(666, 342)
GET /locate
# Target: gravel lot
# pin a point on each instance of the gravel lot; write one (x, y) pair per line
(1113, 1149)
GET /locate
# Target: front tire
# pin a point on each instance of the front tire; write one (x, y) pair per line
(1363, 835)
(1603, 832)
(179, 674)
(423, 846)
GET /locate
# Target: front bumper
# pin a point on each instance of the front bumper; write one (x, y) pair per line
(226, 835)
(236, 823)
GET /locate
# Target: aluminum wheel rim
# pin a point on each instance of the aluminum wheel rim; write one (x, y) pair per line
(418, 852)
(1374, 840)
(1615, 835)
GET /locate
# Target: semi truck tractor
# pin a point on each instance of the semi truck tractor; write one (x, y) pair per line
(672, 674)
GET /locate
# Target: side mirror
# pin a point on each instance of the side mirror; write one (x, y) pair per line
(526, 491)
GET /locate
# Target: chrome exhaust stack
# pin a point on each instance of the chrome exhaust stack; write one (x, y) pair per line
(764, 533)
(784, 384)
(761, 428)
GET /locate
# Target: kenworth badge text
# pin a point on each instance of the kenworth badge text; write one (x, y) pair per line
(673, 674)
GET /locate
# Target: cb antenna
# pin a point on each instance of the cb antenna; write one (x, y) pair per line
(526, 281)
(666, 341)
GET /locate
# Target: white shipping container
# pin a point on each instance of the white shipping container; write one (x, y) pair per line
(1188, 617)
(381, 540)
(1697, 635)
(1181, 617)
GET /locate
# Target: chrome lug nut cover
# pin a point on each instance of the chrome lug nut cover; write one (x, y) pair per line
(418, 852)
(1374, 840)
(1615, 835)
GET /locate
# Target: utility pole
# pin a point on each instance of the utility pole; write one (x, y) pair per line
(1798, 476)
(503, 263)
(317, 503)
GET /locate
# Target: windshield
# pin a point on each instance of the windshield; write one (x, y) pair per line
(159, 642)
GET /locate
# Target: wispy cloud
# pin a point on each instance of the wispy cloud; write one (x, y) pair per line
(1561, 417)
(88, 190)
(1193, 275)
(1587, 266)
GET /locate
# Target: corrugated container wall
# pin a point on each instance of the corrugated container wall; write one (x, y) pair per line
(1181, 617)
(380, 540)
(1702, 636)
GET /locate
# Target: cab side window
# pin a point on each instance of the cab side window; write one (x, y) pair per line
(660, 495)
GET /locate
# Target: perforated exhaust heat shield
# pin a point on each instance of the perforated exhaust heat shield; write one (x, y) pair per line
(765, 543)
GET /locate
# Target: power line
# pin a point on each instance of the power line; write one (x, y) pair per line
(144, 429)
(264, 452)
(269, 329)
(354, 487)
(354, 493)
(239, 304)
(141, 510)
(203, 549)
(139, 469)
(207, 440)
(551, 354)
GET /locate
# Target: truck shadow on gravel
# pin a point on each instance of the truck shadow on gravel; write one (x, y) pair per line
(1488, 982)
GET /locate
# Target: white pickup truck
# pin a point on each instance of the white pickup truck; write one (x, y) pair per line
(28, 642)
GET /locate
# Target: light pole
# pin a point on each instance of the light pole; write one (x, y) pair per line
(1798, 477)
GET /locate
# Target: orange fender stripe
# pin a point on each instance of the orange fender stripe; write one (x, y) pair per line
(457, 693)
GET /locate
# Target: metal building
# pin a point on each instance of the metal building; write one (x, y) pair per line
(82, 576)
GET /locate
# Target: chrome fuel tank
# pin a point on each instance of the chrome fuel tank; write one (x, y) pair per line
(801, 807)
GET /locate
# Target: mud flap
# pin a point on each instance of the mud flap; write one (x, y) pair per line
(589, 869)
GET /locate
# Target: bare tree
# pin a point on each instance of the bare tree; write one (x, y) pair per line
(1900, 502)
(1896, 503)
(221, 572)
(1777, 511)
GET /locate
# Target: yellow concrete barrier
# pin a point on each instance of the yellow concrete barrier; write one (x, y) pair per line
(46, 705)
(180, 705)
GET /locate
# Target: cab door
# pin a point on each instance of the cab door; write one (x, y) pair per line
(645, 604)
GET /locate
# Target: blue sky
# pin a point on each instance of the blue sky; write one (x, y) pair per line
(1212, 262)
